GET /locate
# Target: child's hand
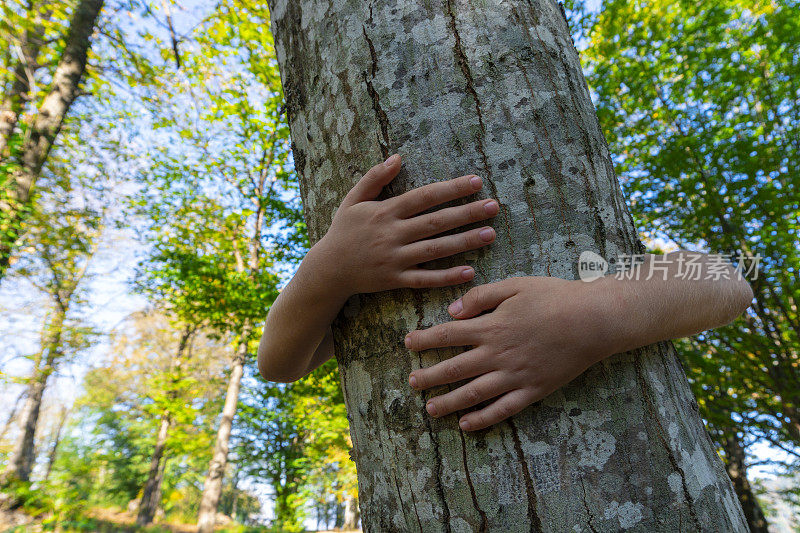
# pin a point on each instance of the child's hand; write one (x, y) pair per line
(376, 245)
(542, 334)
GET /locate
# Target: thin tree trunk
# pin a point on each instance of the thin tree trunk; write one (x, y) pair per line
(212, 488)
(735, 465)
(46, 125)
(22, 456)
(151, 494)
(351, 514)
(14, 101)
(51, 459)
(493, 87)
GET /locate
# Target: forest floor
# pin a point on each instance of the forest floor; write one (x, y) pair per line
(112, 521)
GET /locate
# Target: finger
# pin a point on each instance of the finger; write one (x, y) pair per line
(462, 366)
(507, 405)
(427, 196)
(442, 335)
(423, 226)
(421, 278)
(483, 298)
(428, 250)
(371, 183)
(480, 389)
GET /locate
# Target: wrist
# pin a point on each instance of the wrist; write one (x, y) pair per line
(609, 304)
(323, 262)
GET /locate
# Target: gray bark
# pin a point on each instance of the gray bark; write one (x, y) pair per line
(23, 454)
(46, 125)
(212, 488)
(496, 88)
(351, 514)
(51, 459)
(151, 493)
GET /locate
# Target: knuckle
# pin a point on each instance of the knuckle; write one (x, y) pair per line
(435, 222)
(473, 395)
(442, 336)
(473, 296)
(427, 195)
(453, 370)
(433, 249)
(415, 281)
(506, 410)
(379, 215)
(476, 212)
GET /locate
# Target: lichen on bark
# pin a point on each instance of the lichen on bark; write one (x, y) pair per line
(491, 87)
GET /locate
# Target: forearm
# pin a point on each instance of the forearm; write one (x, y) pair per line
(298, 323)
(642, 311)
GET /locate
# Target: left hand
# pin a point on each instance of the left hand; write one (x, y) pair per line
(542, 333)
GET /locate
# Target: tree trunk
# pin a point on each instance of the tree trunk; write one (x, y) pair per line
(14, 101)
(493, 87)
(351, 514)
(46, 125)
(51, 459)
(22, 456)
(151, 494)
(735, 465)
(212, 489)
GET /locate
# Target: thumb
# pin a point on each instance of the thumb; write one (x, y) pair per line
(371, 183)
(482, 298)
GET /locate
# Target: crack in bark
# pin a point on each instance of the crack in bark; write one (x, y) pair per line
(586, 506)
(380, 114)
(536, 522)
(662, 435)
(484, 520)
(418, 308)
(411, 490)
(461, 58)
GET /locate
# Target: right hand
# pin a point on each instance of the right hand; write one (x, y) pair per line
(377, 245)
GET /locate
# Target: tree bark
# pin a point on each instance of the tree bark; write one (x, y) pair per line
(51, 459)
(351, 514)
(14, 101)
(151, 494)
(212, 488)
(737, 470)
(46, 125)
(22, 457)
(493, 87)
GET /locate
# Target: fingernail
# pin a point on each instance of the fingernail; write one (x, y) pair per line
(490, 207)
(431, 408)
(412, 380)
(487, 234)
(391, 160)
(464, 425)
(467, 273)
(476, 182)
(408, 341)
(456, 307)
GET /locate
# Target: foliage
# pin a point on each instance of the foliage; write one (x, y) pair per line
(699, 105)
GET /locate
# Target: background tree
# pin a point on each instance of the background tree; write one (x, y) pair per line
(61, 243)
(17, 180)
